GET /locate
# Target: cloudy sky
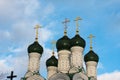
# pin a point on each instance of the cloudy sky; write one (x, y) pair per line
(18, 18)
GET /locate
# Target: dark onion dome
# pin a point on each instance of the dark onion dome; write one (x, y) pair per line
(52, 61)
(77, 41)
(91, 56)
(35, 47)
(63, 43)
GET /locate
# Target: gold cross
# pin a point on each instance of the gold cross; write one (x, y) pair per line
(90, 37)
(37, 27)
(77, 24)
(65, 25)
(53, 46)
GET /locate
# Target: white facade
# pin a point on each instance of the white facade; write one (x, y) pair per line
(51, 70)
(71, 62)
(33, 67)
(64, 61)
(91, 69)
(34, 62)
(68, 62)
(77, 56)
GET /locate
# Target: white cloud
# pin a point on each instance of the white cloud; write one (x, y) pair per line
(20, 65)
(31, 6)
(4, 67)
(23, 32)
(16, 9)
(45, 34)
(110, 76)
(47, 11)
(16, 50)
(24, 14)
(4, 34)
(100, 66)
(27, 12)
(24, 9)
(17, 64)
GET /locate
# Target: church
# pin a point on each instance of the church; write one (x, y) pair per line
(69, 64)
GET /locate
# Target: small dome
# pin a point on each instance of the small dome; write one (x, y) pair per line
(91, 56)
(35, 47)
(63, 43)
(52, 61)
(78, 41)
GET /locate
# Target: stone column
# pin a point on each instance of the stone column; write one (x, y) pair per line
(64, 61)
(34, 62)
(51, 70)
(91, 69)
(77, 56)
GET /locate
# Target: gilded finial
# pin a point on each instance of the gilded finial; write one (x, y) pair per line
(77, 24)
(53, 46)
(65, 25)
(37, 27)
(90, 37)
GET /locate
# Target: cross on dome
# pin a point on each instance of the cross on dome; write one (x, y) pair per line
(77, 24)
(65, 25)
(91, 37)
(37, 27)
(53, 46)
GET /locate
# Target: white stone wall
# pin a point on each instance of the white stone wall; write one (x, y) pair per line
(35, 77)
(91, 68)
(80, 76)
(33, 67)
(28, 74)
(77, 56)
(51, 70)
(34, 62)
(60, 76)
(64, 61)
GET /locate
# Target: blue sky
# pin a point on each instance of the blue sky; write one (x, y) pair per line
(18, 18)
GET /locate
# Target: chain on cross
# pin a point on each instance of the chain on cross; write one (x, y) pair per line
(77, 24)
(37, 27)
(65, 25)
(91, 37)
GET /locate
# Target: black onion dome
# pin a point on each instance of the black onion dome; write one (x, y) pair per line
(91, 56)
(63, 43)
(52, 61)
(78, 41)
(35, 47)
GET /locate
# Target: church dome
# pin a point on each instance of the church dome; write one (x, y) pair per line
(91, 56)
(77, 41)
(35, 47)
(63, 43)
(52, 61)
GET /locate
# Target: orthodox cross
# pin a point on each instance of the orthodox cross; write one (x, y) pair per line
(11, 76)
(77, 24)
(90, 37)
(65, 25)
(37, 27)
(53, 46)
